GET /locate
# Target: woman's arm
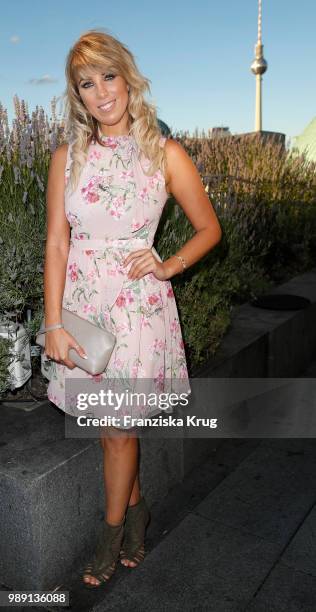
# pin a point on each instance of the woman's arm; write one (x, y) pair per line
(57, 240)
(57, 341)
(184, 182)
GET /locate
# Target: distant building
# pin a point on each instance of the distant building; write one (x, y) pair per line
(219, 132)
(307, 141)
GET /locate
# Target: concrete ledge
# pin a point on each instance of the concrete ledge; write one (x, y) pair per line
(50, 497)
(52, 494)
(51, 488)
(268, 343)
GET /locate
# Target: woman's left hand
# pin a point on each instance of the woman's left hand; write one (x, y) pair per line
(145, 262)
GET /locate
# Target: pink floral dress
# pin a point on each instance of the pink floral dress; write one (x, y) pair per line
(114, 211)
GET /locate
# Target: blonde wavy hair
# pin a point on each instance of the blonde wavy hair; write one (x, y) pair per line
(99, 50)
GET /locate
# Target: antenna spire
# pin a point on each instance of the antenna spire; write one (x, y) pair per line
(259, 67)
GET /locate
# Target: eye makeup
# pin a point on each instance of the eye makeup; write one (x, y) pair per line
(84, 80)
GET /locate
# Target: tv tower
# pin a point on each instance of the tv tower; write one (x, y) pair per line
(259, 67)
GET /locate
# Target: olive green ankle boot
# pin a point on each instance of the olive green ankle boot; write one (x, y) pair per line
(133, 546)
(105, 560)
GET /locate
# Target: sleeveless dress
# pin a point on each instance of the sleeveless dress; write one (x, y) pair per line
(115, 210)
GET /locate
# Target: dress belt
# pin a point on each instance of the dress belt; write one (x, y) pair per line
(109, 242)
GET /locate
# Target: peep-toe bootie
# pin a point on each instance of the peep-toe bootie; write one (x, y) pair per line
(133, 545)
(107, 554)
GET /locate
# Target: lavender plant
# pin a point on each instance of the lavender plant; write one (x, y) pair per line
(25, 150)
(24, 158)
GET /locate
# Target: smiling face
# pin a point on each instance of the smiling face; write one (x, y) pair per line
(105, 96)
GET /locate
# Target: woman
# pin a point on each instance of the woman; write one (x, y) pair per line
(109, 186)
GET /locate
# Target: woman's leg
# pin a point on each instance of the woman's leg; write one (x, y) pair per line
(120, 461)
(135, 494)
(120, 465)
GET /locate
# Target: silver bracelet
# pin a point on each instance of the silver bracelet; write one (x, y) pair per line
(51, 327)
(182, 261)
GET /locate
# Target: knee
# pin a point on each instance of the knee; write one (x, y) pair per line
(117, 441)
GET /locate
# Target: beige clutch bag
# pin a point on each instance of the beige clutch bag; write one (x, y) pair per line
(97, 342)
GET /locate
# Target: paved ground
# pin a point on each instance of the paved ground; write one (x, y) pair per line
(248, 545)
(237, 535)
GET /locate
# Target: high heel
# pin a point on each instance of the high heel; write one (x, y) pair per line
(137, 519)
(105, 560)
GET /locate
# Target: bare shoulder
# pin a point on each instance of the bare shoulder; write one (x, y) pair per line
(178, 161)
(57, 165)
(172, 144)
(60, 154)
(176, 155)
(62, 149)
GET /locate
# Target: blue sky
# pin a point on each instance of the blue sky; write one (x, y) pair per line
(197, 55)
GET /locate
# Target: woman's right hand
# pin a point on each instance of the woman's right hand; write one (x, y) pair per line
(57, 344)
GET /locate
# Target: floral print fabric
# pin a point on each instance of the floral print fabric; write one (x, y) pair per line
(114, 211)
